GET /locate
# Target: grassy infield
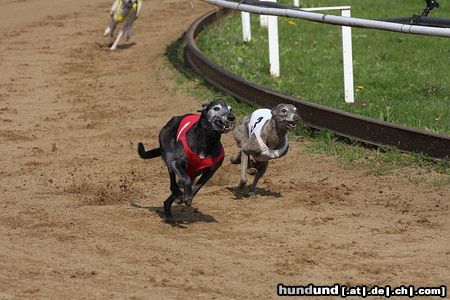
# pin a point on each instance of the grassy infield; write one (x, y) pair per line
(400, 78)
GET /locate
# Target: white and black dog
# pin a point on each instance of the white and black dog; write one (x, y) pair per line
(190, 146)
(123, 13)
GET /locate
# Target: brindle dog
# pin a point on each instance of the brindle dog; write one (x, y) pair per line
(260, 138)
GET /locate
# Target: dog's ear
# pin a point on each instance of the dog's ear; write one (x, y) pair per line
(204, 106)
(275, 110)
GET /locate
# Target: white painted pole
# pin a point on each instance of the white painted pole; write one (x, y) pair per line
(348, 60)
(263, 20)
(296, 3)
(246, 28)
(274, 56)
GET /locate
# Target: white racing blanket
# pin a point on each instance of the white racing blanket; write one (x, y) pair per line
(257, 120)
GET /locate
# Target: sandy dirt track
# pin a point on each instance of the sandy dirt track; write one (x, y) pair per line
(71, 114)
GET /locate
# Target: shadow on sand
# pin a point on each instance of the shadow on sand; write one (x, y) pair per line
(258, 192)
(181, 215)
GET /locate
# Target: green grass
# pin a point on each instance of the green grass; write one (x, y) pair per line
(399, 78)
(348, 153)
(377, 161)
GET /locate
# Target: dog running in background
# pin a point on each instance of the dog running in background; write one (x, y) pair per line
(123, 13)
(260, 138)
(190, 146)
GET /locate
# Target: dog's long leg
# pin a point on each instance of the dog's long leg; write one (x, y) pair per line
(185, 181)
(116, 42)
(236, 159)
(174, 188)
(167, 206)
(107, 30)
(205, 177)
(261, 168)
(129, 27)
(129, 33)
(114, 7)
(110, 29)
(244, 165)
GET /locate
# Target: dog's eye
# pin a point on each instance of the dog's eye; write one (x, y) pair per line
(216, 108)
(284, 110)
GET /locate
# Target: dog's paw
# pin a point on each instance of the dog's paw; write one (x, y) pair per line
(107, 31)
(129, 34)
(169, 220)
(241, 185)
(235, 160)
(188, 202)
(252, 171)
(249, 194)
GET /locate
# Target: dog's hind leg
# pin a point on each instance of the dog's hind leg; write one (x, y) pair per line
(174, 187)
(185, 180)
(261, 167)
(167, 206)
(129, 28)
(176, 193)
(129, 33)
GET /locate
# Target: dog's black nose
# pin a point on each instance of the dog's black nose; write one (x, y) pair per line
(231, 118)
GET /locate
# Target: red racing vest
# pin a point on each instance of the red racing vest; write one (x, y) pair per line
(195, 162)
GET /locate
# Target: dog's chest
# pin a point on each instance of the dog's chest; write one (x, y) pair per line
(204, 152)
(274, 142)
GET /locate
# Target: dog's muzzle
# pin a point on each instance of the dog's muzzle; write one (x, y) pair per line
(290, 124)
(222, 125)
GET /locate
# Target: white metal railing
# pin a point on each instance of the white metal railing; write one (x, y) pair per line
(331, 19)
(345, 20)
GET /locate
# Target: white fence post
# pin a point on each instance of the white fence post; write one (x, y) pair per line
(246, 28)
(263, 20)
(347, 60)
(296, 3)
(274, 57)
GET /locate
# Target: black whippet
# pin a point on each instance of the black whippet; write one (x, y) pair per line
(190, 146)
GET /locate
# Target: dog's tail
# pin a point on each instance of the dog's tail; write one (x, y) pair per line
(148, 154)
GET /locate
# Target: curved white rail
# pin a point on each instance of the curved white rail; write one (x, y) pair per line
(331, 19)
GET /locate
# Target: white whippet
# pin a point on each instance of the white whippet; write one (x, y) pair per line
(123, 13)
